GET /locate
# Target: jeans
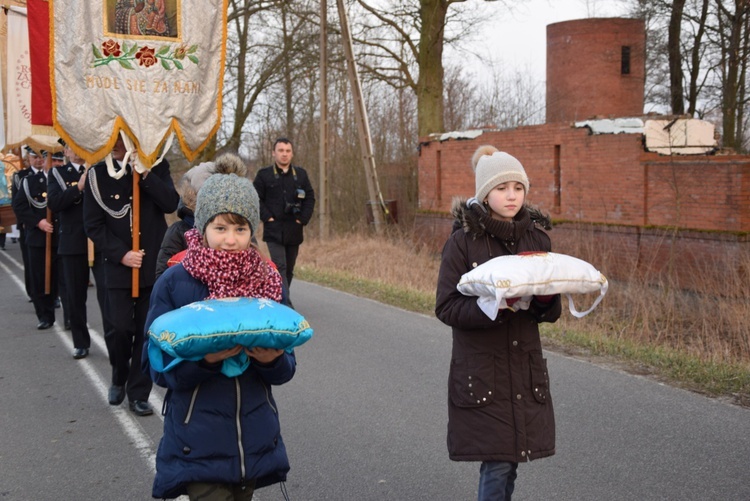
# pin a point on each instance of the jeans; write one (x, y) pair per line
(496, 480)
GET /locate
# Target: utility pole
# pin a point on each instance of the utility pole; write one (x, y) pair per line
(323, 216)
(363, 126)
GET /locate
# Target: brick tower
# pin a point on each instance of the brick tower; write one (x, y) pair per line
(595, 67)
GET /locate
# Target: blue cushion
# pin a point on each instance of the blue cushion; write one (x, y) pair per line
(212, 325)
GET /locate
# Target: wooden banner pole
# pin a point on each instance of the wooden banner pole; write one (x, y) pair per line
(48, 257)
(136, 229)
(48, 238)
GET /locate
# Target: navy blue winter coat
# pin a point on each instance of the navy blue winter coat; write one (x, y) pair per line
(216, 429)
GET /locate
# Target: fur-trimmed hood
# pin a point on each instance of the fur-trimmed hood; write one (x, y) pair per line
(470, 216)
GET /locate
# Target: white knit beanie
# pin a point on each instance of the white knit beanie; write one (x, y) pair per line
(495, 169)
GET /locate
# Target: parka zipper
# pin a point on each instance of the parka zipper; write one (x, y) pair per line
(192, 405)
(268, 398)
(239, 432)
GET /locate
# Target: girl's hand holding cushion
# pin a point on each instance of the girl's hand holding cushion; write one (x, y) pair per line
(263, 355)
(213, 358)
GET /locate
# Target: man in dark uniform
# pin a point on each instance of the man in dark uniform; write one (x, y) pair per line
(107, 219)
(58, 159)
(32, 158)
(65, 197)
(287, 201)
(30, 206)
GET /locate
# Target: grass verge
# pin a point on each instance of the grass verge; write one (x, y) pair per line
(729, 382)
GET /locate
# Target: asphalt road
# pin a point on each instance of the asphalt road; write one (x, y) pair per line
(363, 419)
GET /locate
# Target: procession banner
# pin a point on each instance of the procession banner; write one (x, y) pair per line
(149, 68)
(18, 128)
(41, 98)
(2, 114)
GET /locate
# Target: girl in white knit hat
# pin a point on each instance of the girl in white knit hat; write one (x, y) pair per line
(499, 406)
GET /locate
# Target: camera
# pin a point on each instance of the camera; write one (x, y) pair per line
(292, 208)
(296, 206)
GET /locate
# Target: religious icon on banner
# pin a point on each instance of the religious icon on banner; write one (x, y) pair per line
(152, 18)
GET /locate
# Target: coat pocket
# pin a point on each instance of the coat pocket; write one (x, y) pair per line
(472, 381)
(539, 377)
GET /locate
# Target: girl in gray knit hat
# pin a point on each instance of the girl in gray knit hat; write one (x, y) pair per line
(499, 406)
(174, 244)
(221, 434)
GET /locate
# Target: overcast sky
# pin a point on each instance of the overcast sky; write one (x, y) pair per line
(519, 38)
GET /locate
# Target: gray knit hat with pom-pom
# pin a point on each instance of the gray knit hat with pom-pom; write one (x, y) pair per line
(225, 191)
(498, 168)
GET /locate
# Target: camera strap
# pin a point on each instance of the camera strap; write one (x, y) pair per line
(276, 173)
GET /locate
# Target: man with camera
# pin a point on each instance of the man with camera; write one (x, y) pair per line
(287, 201)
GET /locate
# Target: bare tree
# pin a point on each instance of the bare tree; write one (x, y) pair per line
(266, 41)
(403, 42)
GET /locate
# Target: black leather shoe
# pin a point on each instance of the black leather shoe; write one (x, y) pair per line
(79, 353)
(141, 408)
(67, 326)
(116, 394)
(43, 325)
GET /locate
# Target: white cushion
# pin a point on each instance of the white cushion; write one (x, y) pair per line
(534, 274)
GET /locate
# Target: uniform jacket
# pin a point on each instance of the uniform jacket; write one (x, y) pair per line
(277, 189)
(112, 234)
(30, 206)
(66, 201)
(499, 402)
(207, 412)
(15, 187)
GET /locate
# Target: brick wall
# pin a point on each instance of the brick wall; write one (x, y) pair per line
(610, 185)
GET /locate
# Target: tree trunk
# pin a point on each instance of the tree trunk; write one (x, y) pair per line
(675, 58)
(695, 58)
(732, 54)
(430, 60)
(288, 92)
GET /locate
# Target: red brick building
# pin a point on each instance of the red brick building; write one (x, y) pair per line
(598, 166)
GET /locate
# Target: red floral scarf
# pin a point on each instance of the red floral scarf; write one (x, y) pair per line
(230, 274)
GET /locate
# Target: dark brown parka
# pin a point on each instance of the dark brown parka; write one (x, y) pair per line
(499, 403)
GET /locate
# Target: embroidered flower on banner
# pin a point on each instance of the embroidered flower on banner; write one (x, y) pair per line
(169, 56)
(146, 56)
(111, 48)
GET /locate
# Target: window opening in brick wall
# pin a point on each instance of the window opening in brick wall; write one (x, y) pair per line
(625, 60)
(558, 190)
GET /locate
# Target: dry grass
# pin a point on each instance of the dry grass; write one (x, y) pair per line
(699, 340)
(392, 261)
